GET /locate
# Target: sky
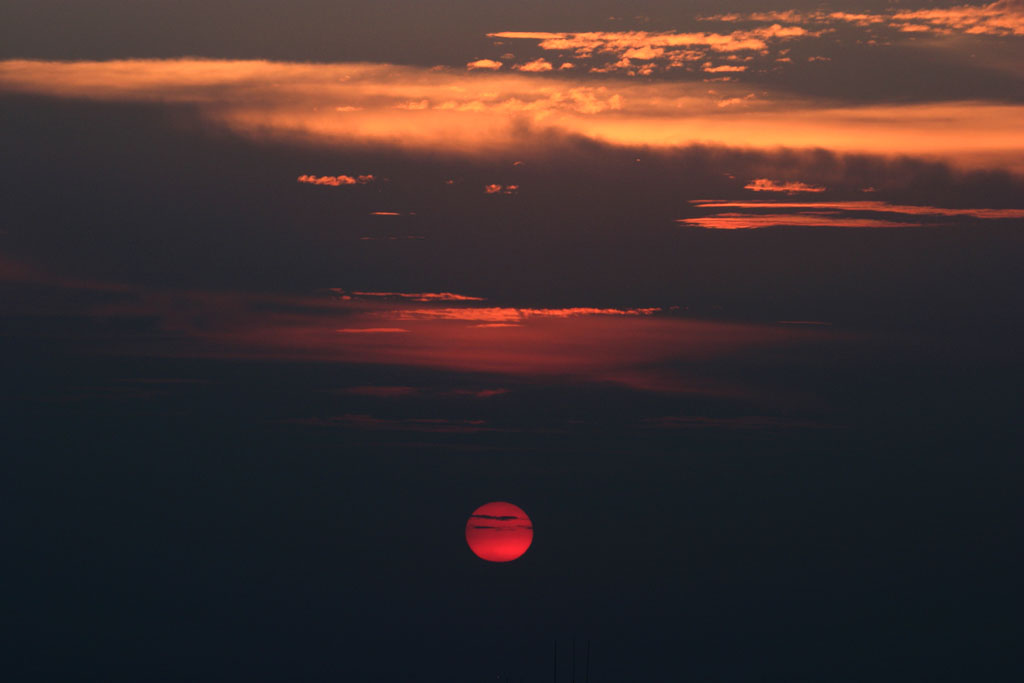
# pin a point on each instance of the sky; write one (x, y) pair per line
(725, 296)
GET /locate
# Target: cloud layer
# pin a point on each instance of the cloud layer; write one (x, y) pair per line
(483, 112)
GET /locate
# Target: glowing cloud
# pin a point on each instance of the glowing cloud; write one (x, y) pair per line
(477, 114)
(408, 296)
(488, 64)
(766, 185)
(495, 188)
(493, 316)
(849, 214)
(749, 221)
(370, 330)
(536, 66)
(878, 207)
(1001, 18)
(336, 180)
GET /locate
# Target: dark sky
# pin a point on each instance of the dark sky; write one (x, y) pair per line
(726, 297)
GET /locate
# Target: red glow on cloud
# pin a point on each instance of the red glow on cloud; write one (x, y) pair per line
(504, 317)
(844, 214)
(496, 188)
(766, 185)
(744, 221)
(371, 330)
(409, 296)
(336, 180)
(881, 207)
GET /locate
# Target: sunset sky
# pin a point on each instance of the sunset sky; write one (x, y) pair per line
(726, 296)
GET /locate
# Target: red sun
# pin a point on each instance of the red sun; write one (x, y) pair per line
(499, 532)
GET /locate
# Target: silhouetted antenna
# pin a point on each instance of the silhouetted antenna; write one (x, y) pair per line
(573, 660)
(555, 679)
(588, 661)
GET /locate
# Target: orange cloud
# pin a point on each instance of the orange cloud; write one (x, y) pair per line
(485, 112)
(880, 207)
(536, 66)
(998, 19)
(846, 214)
(750, 221)
(766, 185)
(370, 330)
(617, 50)
(494, 316)
(723, 68)
(408, 296)
(489, 64)
(495, 188)
(1001, 18)
(336, 180)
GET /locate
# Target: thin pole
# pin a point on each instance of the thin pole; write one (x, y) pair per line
(588, 661)
(573, 660)
(555, 679)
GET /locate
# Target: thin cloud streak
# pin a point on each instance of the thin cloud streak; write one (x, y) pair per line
(842, 214)
(881, 207)
(791, 187)
(336, 180)
(752, 221)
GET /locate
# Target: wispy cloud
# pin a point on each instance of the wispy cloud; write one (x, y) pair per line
(496, 188)
(478, 113)
(536, 66)
(408, 296)
(791, 187)
(880, 207)
(1001, 18)
(843, 214)
(336, 180)
(371, 330)
(487, 64)
(514, 315)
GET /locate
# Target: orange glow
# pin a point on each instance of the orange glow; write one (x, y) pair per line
(1001, 18)
(370, 330)
(505, 315)
(478, 113)
(336, 180)
(882, 207)
(724, 67)
(536, 66)
(410, 296)
(748, 221)
(488, 64)
(766, 185)
(495, 188)
(647, 45)
(499, 532)
(642, 348)
(831, 214)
